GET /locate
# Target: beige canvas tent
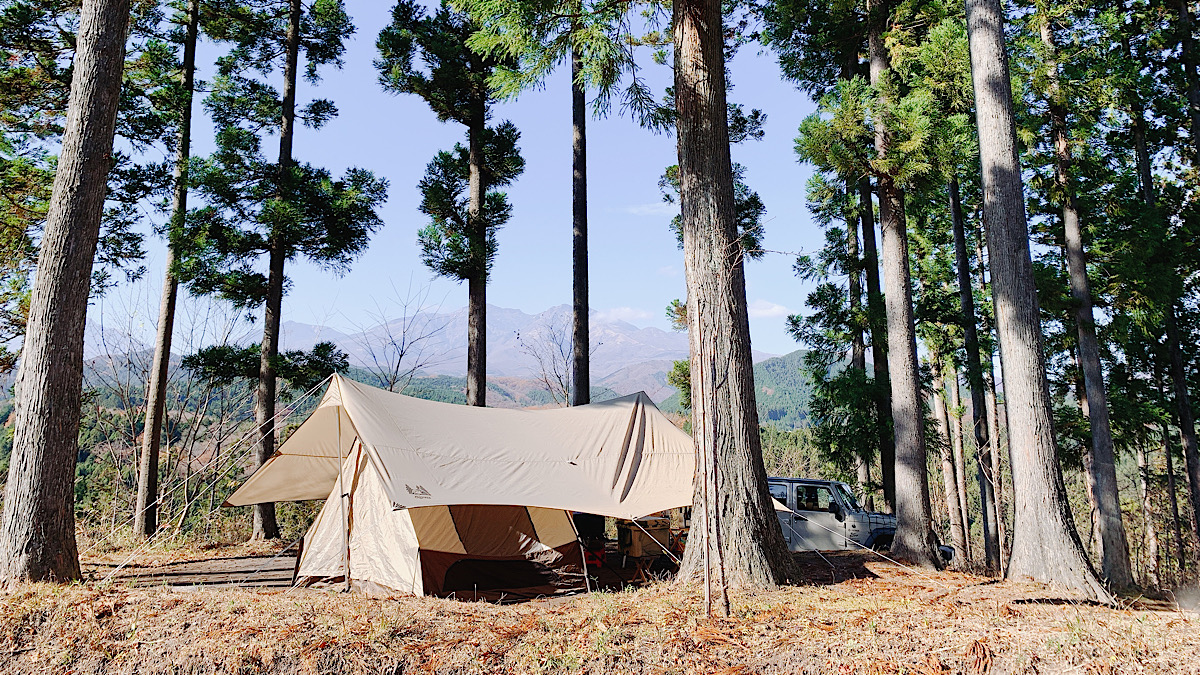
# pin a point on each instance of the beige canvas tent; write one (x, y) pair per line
(435, 498)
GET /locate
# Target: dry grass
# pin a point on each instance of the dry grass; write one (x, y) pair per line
(893, 621)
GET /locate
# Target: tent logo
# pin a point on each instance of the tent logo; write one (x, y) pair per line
(419, 492)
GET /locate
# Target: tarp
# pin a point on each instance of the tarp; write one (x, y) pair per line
(620, 458)
(437, 550)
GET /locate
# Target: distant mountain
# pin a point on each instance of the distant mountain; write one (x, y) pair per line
(782, 392)
(625, 358)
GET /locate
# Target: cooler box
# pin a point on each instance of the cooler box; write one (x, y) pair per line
(633, 541)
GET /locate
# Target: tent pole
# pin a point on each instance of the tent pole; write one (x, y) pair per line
(587, 581)
(342, 495)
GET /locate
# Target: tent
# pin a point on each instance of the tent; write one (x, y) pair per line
(436, 498)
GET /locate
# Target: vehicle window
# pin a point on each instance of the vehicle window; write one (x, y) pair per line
(779, 491)
(847, 497)
(813, 498)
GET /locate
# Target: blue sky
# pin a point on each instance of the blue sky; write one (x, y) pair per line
(635, 266)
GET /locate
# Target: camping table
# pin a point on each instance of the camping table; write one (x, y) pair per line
(641, 566)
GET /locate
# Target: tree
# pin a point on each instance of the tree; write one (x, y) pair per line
(914, 535)
(279, 210)
(1046, 546)
(458, 243)
(1101, 469)
(146, 510)
(455, 84)
(724, 417)
(37, 533)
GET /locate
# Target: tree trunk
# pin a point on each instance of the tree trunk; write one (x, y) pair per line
(1187, 423)
(1191, 77)
(979, 407)
(477, 284)
(954, 511)
(989, 381)
(37, 534)
(858, 351)
(146, 521)
(1102, 476)
(265, 526)
(581, 381)
(1151, 534)
(914, 535)
(1173, 492)
(1046, 546)
(724, 418)
(875, 318)
(960, 462)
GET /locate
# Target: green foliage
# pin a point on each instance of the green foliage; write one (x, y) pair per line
(530, 38)
(680, 377)
(449, 244)
(225, 364)
(255, 206)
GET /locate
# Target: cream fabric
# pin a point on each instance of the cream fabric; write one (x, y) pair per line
(620, 458)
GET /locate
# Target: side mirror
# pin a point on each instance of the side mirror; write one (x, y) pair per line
(836, 509)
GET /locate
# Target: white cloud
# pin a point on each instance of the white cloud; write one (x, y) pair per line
(668, 271)
(622, 314)
(653, 209)
(765, 309)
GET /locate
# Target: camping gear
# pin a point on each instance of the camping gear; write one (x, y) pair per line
(436, 498)
(645, 537)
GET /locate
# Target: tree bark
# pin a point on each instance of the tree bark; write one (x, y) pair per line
(989, 382)
(1191, 77)
(875, 319)
(950, 480)
(724, 418)
(581, 382)
(1046, 545)
(975, 381)
(914, 535)
(265, 525)
(960, 462)
(146, 521)
(1102, 473)
(37, 533)
(1187, 423)
(477, 284)
(1173, 492)
(1151, 534)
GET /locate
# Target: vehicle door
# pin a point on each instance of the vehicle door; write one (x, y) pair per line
(780, 492)
(816, 518)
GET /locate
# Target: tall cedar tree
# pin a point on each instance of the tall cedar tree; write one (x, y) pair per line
(428, 55)
(146, 510)
(914, 534)
(449, 245)
(736, 540)
(819, 47)
(1046, 546)
(279, 210)
(1099, 464)
(37, 532)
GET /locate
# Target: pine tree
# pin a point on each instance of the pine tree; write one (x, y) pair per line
(278, 210)
(455, 245)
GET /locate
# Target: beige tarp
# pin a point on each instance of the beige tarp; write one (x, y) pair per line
(399, 550)
(620, 458)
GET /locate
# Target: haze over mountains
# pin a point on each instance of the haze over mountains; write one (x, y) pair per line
(625, 358)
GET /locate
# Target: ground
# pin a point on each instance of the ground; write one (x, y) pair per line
(858, 614)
